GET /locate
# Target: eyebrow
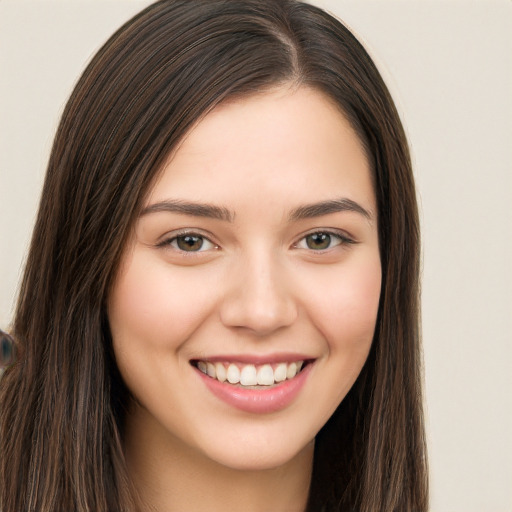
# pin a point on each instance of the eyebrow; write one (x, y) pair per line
(326, 207)
(190, 208)
(307, 211)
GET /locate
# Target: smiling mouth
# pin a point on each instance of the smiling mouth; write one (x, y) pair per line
(251, 376)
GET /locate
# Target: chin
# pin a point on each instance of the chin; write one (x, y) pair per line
(260, 457)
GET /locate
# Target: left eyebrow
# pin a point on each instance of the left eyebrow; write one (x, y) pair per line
(309, 211)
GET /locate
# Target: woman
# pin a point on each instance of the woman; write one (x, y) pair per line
(220, 304)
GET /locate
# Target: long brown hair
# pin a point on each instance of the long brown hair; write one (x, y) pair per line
(62, 402)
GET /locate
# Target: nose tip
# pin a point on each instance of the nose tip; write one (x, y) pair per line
(260, 302)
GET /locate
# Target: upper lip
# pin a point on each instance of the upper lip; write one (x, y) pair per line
(256, 359)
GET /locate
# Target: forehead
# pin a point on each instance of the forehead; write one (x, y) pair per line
(284, 144)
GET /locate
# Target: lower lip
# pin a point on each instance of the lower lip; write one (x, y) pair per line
(258, 401)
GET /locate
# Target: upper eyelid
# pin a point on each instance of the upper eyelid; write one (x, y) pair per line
(344, 235)
(171, 235)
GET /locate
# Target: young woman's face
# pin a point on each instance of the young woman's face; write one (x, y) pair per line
(256, 255)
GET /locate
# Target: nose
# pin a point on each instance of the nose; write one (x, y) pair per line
(260, 297)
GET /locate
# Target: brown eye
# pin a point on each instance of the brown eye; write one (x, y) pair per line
(318, 241)
(322, 240)
(189, 243)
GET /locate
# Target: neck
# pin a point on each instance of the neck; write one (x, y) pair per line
(171, 476)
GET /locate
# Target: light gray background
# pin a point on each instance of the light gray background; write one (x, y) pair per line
(448, 65)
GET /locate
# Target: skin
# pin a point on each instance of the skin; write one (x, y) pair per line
(258, 286)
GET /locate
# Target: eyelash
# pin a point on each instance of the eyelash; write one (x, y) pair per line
(341, 237)
(182, 234)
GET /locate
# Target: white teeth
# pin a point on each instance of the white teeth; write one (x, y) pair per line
(210, 370)
(233, 374)
(249, 375)
(280, 372)
(265, 375)
(291, 371)
(221, 372)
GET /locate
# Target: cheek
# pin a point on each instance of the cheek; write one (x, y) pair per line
(346, 309)
(150, 306)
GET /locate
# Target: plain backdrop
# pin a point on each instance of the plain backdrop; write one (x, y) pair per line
(448, 65)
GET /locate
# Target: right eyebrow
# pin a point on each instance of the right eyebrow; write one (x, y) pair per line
(190, 208)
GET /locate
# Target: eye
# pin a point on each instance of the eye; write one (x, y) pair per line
(321, 241)
(189, 242)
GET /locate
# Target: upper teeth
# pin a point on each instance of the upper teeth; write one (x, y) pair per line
(250, 375)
